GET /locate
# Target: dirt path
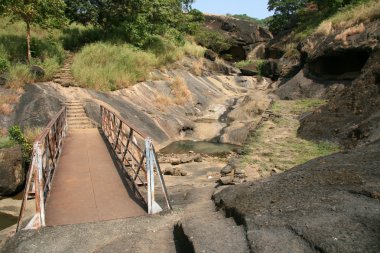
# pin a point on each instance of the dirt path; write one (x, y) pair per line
(275, 147)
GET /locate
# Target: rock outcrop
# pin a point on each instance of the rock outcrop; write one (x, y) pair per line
(329, 204)
(352, 115)
(12, 175)
(245, 36)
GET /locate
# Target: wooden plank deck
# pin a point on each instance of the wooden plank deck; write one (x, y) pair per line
(87, 186)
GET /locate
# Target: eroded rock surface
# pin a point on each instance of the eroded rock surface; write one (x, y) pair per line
(245, 36)
(330, 204)
(12, 175)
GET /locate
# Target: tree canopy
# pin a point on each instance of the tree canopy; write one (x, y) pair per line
(45, 13)
(291, 13)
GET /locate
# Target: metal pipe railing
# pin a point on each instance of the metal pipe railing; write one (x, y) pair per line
(47, 149)
(136, 152)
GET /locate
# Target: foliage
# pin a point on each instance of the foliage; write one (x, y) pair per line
(351, 15)
(45, 13)
(245, 17)
(4, 63)
(304, 15)
(136, 15)
(18, 75)
(244, 63)
(17, 136)
(104, 66)
(213, 40)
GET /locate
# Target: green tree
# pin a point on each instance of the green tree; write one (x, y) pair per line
(289, 14)
(44, 13)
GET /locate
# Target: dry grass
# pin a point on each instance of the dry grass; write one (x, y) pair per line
(6, 103)
(350, 17)
(6, 109)
(9, 99)
(350, 31)
(180, 91)
(197, 67)
(192, 49)
(163, 102)
(31, 133)
(180, 94)
(19, 75)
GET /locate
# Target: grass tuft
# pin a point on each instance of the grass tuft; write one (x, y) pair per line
(180, 91)
(350, 16)
(107, 67)
(6, 142)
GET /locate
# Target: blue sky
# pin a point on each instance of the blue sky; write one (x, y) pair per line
(253, 8)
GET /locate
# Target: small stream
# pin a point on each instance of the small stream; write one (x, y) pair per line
(202, 147)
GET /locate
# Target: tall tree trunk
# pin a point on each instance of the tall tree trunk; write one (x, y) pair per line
(29, 54)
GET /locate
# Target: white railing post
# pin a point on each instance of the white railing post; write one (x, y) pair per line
(153, 206)
(40, 185)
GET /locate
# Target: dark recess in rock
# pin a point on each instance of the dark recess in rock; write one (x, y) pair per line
(346, 64)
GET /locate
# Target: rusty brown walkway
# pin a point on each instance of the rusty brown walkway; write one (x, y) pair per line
(87, 186)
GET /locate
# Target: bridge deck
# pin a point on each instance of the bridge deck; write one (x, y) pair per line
(87, 186)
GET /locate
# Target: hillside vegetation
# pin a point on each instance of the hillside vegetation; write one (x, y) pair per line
(117, 44)
(302, 18)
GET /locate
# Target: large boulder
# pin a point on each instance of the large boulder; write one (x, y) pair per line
(12, 175)
(329, 204)
(37, 71)
(352, 115)
(37, 107)
(245, 36)
(300, 86)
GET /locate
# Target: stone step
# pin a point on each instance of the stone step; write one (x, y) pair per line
(77, 117)
(73, 103)
(79, 120)
(71, 111)
(75, 109)
(81, 126)
(63, 77)
(75, 106)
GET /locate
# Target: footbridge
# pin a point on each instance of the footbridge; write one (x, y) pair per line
(81, 173)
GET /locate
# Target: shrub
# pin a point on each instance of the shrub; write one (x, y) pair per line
(242, 64)
(104, 66)
(4, 64)
(17, 136)
(19, 74)
(76, 36)
(212, 40)
(192, 49)
(180, 91)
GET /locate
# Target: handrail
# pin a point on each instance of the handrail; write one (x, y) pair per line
(136, 153)
(47, 149)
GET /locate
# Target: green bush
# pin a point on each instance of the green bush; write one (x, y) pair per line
(4, 64)
(76, 36)
(19, 74)
(212, 40)
(105, 66)
(17, 136)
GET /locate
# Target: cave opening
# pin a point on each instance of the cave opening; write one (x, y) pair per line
(235, 54)
(343, 65)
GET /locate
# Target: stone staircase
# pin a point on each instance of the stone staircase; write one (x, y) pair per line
(64, 76)
(76, 116)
